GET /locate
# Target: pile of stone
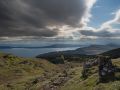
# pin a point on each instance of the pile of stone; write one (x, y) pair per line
(106, 69)
(84, 71)
(88, 64)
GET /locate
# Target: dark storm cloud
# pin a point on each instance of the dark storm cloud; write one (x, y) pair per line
(30, 31)
(102, 33)
(30, 17)
(64, 11)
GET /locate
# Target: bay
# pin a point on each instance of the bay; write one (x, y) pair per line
(26, 52)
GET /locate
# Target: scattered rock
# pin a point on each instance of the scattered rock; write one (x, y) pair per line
(106, 69)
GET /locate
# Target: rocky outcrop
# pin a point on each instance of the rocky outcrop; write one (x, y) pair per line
(84, 71)
(87, 65)
(106, 69)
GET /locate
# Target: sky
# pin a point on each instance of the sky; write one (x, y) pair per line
(95, 21)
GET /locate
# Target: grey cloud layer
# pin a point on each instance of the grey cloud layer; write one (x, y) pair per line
(102, 33)
(30, 17)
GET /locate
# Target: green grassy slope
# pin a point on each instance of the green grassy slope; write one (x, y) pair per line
(38, 74)
(20, 73)
(115, 53)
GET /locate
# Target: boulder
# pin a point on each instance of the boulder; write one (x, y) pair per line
(106, 69)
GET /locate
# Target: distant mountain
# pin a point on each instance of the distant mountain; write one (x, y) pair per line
(96, 49)
(115, 53)
(5, 47)
(90, 50)
(32, 47)
(62, 46)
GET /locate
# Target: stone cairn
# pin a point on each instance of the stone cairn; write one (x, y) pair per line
(86, 65)
(84, 71)
(106, 69)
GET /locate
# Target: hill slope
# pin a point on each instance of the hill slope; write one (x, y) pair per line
(38, 74)
(96, 49)
(115, 53)
(89, 51)
(18, 73)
